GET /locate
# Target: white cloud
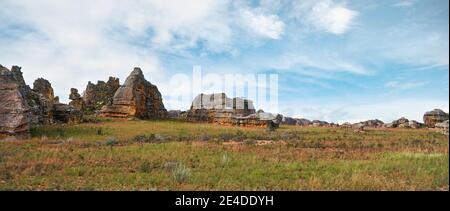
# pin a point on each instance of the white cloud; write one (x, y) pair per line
(404, 3)
(398, 86)
(315, 60)
(263, 25)
(325, 15)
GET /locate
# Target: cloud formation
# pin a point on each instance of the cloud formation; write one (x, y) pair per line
(320, 48)
(326, 15)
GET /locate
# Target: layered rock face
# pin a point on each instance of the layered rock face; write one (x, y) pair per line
(42, 101)
(63, 113)
(404, 123)
(44, 87)
(218, 108)
(39, 101)
(98, 95)
(14, 111)
(261, 119)
(136, 98)
(435, 116)
(77, 102)
(373, 123)
(22, 107)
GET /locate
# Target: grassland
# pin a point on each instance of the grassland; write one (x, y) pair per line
(173, 155)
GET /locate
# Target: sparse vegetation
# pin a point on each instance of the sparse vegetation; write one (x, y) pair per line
(181, 173)
(175, 155)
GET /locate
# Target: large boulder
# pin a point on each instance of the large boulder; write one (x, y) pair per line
(430, 118)
(219, 108)
(401, 123)
(303, 122)
(76, 100)
(98, 95)
(136, 98)
(259, 119)
(42, 99)
(14, 111)
(44, 87)
(289, 121)
(443, 127)
(319, 123)
(415, 124)
(373, 123)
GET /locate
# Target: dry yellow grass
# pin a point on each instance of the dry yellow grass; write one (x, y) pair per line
(173, 155)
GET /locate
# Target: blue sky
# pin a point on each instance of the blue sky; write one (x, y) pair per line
(337, 60)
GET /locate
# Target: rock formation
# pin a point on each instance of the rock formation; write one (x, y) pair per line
(14, 111)
(42, 101)
(373, 123)
(403, 123)
(443, 127)
(303, 122)
(435, 116)
(289, 121)
(136, 98)
(218, 108)
(77, 102)
(44, 87)
(177, 114)
(319, 123)
(98, 95)
(24, 108)
(39, 101)
(63, 113)
(415, 124)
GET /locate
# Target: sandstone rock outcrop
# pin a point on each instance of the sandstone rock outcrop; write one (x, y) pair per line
(41, 106)
(98, 95)
(260, 119)
(401, 123)
(76, 100)
(218, 108)
(39, 101)
(136, 98)
(177, 114)
(303, 122)
(44, 87)
(415, 124)
(373, 123)
(14, 111)
(296, 121)
(319, 123)
(443, 127)
(289, 121)
(430, 118)
(64, 113)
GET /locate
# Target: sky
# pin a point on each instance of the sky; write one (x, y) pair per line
(336, 60)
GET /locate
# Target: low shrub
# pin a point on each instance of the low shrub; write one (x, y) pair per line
(181, 173)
